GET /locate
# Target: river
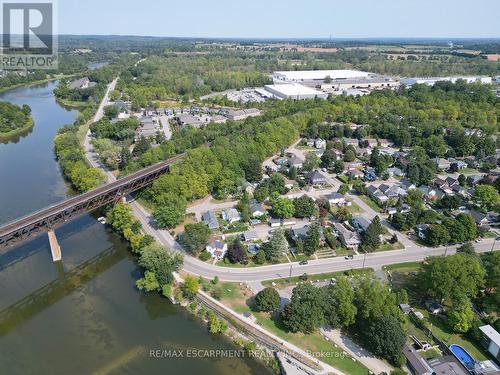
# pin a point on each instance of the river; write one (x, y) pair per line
(82, 315)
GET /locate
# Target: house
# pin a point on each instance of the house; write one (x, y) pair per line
(407, 185)
(360, 223)
(405, 308)
(422, 231)
(415, 363)
(295, 162)
(248, 187)
(288, 222)
(393, 191)
(490, 339)
(301, 233)
(187, 119)
(385, 143)
(337, 199)
(257, 210)
(482, 220)
(319, 143)
(289, 184)
(250, 235)
(456, 165)
(434, 307)
(274, 223)
(441, 163)
(218, 119)
(474, 179)
(354, 173)
(231, 214)
(310, 143)
(147, 128)
(351, 141)
(316, 178)
(395, 172)
(217, 247)
(447, 365)
(391, 210)
(349, 239)
(242, 114)
(82, 83)
(428, 192)
(210, 219)
(370, 174)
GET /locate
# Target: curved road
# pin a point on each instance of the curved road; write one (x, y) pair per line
(412, 252)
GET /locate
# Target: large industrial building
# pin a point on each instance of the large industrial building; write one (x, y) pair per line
(295, 91)
(318, 75)
(336, 81)
(430, 81)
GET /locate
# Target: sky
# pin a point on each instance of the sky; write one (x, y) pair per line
(282, 18)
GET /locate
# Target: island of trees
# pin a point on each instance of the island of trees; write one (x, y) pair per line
(14, 120)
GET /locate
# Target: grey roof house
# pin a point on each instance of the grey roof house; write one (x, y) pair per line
(210, 219)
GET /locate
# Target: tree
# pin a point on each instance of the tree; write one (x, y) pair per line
(149, 283)
(267, 300)
(171, 212)
(195, 237)
(437, 234)
(461, 316)
(111, 111)
(311, 163)
(141, 147)
(253, 170)
(311, 243)
(453, 277)
(343, 189)
(328, 158)
(236, 252)
(371, 237)
(260, 257)
(466, 248)
(343, 214)
(120, 217)
(469, 227)
(486, 196)
(385, 338)
(373, 300)
(161, 262)
(190, 287)
(305, 313)
(349, 155)
(340, 310)
(277, 246)
(283, 208)
(304, 206)
(338, 166)
(415, 198)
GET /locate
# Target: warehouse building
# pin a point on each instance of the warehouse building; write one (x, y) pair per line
(295, 91)
(430, 81)
(318, 75)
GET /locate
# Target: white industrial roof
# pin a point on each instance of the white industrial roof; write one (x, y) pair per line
(491, 333)
(294, 89)
(297, 75)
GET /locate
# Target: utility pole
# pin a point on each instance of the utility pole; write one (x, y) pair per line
(446, 250)
(493, 246)
(291, 265)
(364, 260)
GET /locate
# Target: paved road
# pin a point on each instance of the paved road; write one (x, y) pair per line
(375, 260)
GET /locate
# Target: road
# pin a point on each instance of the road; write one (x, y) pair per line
(195, 266)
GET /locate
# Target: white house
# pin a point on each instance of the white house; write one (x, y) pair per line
(217, 247)
(231, 214)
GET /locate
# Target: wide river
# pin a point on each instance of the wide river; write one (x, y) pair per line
(82, 315)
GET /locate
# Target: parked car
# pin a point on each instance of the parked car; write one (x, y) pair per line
(303, 263)
(349, 257)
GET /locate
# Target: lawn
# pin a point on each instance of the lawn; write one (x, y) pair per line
(281, 283)
(239, 299)
(371, 203)
(354, 208)
(391, 246)
(403, 267)
(402, 276)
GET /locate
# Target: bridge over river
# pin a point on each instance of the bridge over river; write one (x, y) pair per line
(48, 219)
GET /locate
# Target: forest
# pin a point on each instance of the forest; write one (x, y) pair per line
(14, 118)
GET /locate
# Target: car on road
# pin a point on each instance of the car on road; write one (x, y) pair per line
(349, 257)
(479, 240)
(303, 263)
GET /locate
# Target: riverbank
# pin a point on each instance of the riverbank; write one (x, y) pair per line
(17, 132)
(35, 83)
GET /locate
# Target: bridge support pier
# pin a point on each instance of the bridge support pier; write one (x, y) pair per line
(55, 249)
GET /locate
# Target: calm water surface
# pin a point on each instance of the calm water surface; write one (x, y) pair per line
(84, 315)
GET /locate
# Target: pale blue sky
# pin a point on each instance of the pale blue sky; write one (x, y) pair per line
(282, 18)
